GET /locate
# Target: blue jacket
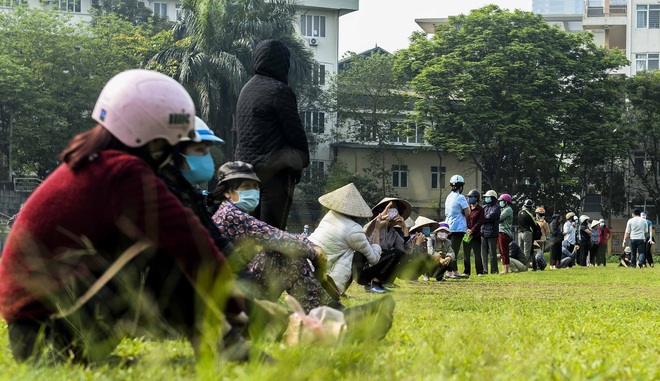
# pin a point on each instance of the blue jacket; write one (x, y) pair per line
(491, 226)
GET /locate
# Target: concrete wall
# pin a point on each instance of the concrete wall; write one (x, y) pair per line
(10, 201)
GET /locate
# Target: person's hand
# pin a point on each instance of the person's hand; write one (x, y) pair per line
(419, 239)
(381, 221)
(469, 232)
(399, 220)
(444, 261)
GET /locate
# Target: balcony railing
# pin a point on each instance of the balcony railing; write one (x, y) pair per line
(601, 8)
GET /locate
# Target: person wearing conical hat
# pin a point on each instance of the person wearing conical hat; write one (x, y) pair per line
(340, 235)
(417, 262)
(393, 211)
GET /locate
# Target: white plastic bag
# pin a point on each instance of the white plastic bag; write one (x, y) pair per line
(324, 325)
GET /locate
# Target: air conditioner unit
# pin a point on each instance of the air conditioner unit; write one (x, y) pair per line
(313, 41)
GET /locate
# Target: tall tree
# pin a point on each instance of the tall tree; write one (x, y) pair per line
(642, 122)
(509, 91)
(52, 73)
(213, 53)
(370, 106)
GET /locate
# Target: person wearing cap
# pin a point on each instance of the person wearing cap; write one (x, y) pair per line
(271, 258)
(456, 212)
(269, 133)
(636, 230)
(569, 229)
(595, 237)
(473, 233)
(584, 236)
(648, 246)
(604, 235)
(490, 232)
(305, 233)
(625, 260)
(443, 254)
(394, 246)
(192, 166)
(102, 237)
(341, 236)
(505, 235)
(525, 240)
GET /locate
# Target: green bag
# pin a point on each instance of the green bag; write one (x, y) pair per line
(467, 238)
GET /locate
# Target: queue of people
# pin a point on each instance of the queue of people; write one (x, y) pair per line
(121, 235)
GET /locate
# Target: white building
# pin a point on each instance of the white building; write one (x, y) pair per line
(319, 24)
(557, 7)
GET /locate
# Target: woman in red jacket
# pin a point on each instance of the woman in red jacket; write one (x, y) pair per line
(103, 242)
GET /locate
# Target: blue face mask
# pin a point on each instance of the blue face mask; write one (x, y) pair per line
(502, 204)
(487, 199)
(472, 200)
(426, 231)
(247, 200)
(201, 169)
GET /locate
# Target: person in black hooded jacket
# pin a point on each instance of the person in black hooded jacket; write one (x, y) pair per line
(270, 135)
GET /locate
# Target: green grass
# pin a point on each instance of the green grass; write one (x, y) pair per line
(580, 323)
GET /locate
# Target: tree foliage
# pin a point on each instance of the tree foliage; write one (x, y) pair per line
(370, 104)
(212, 56)
(642, 122)
(52, 72)
(526, 101)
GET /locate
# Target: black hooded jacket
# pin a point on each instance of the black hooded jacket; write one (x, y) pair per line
(270, 135)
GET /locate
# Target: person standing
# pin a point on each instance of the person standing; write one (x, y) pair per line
(505, 235)
(604, 235)
(595, 237)
(636, 230)
(269, 133)
(525, 240)
(584, 235)
(490, 231)
(555, 242)
(648, 246)
(474, 222)
(569, 230)
(545, 228)
(456, 213)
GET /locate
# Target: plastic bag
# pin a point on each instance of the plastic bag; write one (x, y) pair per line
(323, 325)
(467, 238)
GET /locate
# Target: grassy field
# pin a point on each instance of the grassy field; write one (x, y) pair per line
(577, 324)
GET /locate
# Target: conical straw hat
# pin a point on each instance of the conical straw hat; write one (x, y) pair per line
(422, 221)
(410, 223)
(403, 206)
(346, 200)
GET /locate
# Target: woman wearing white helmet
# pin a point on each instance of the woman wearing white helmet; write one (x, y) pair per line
(456, 212)
(104, 216)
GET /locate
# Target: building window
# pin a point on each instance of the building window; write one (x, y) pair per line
(312, 26)
(648, 16)
(368, 133)
(314, 172)
(314, 121)
(177, 12)
(69, 5)
(12, 3)
(644, 62)
(414, 135)
(160, 9)
(400, 176)
(437, 177)
(318, 75)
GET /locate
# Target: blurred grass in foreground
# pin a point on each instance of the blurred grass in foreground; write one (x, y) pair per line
(580, 323)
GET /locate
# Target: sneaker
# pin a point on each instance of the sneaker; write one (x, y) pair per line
(451, 276)
(374, 289)
(481, 274)
(462, 276)
(426, 278)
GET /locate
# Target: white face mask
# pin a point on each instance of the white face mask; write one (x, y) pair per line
(442, 236)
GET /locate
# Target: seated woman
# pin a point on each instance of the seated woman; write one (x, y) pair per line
(443, 254)
(568, 257)
(102, 242)
(624, 261)
(420, 256)
(340, 236)
(273, 259)
(394, 212)
(516, 258)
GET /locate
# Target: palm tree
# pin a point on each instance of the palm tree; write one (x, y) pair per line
(212, 56)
